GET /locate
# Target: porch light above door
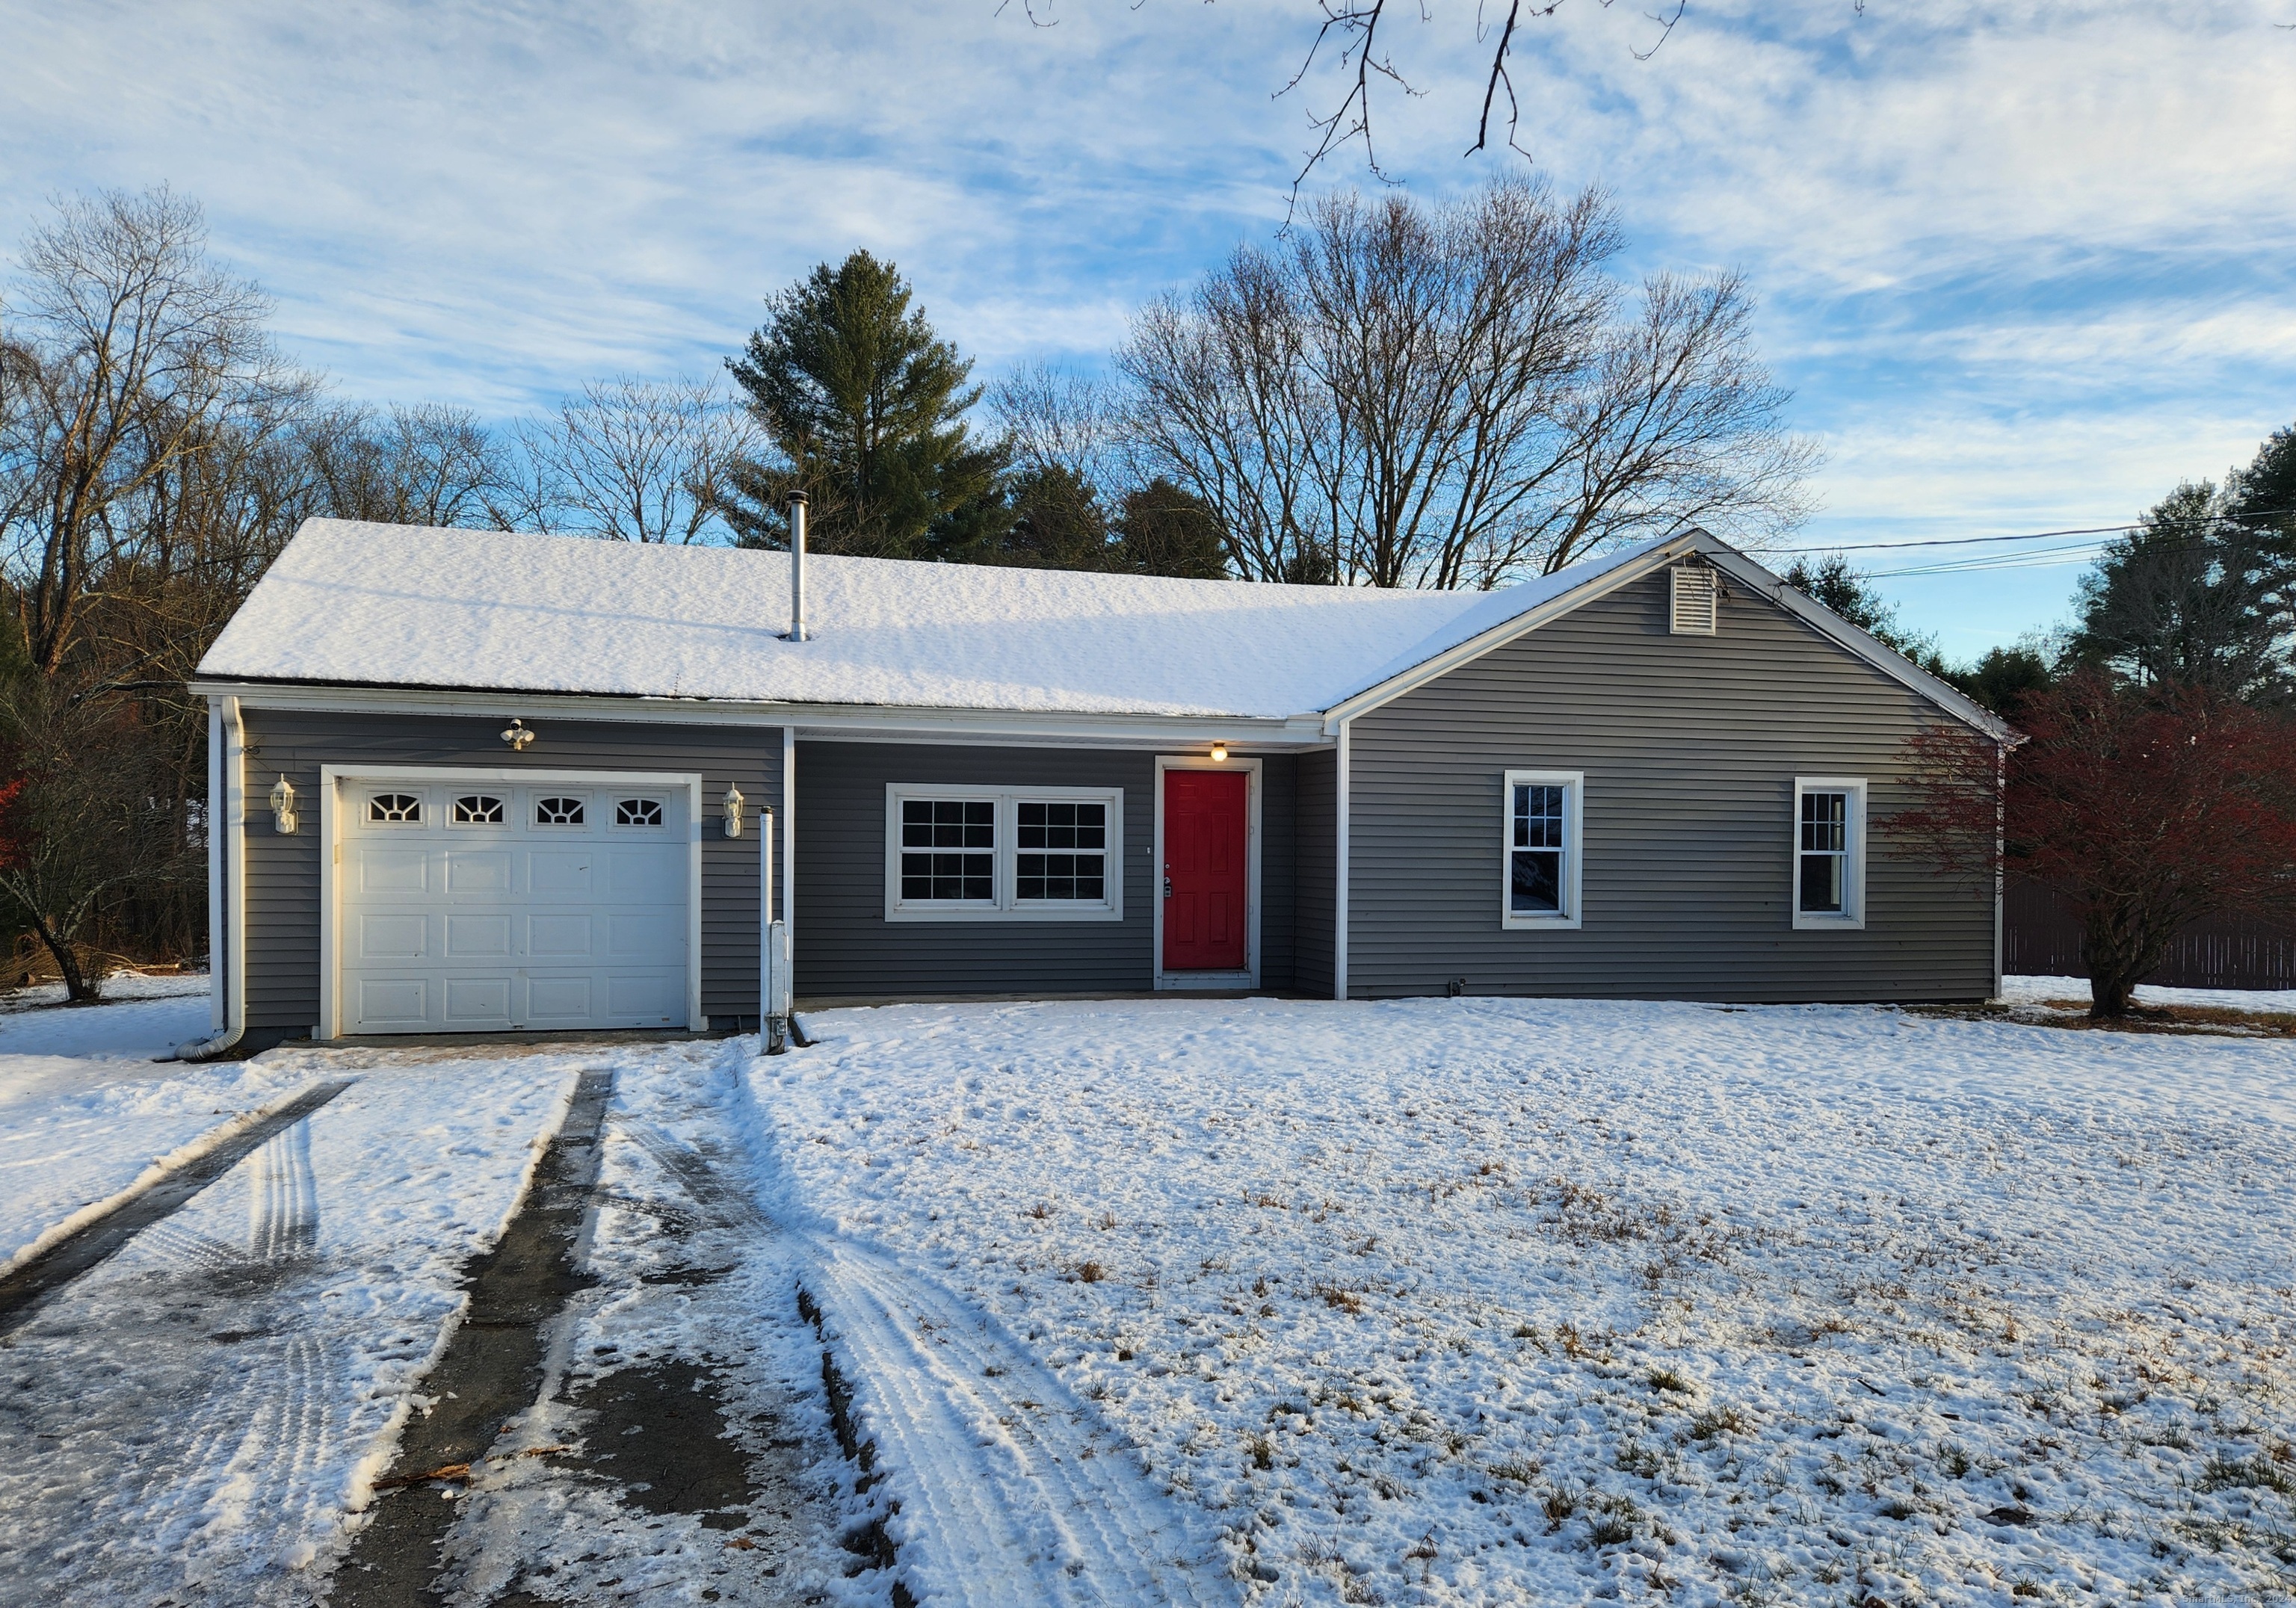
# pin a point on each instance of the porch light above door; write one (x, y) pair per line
(1219, 752)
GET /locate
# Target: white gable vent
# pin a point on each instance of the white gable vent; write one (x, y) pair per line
(1693, 613)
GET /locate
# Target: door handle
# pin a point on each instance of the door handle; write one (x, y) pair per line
(1168, 887)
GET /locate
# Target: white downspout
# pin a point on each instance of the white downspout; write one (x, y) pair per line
(789, 828)
(1340, 897)
(226, 884)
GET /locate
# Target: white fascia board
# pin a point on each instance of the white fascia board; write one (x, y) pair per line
(1738, 568)
(1888, 660)
(1505, 632)
(1014, 728)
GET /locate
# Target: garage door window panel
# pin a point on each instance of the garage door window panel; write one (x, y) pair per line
(395, 810)
(561, 811)
(476, 810)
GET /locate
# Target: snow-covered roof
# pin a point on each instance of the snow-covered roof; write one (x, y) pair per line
(412, 606)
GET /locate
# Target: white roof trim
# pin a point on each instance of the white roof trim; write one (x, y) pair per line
(1645, 561)
(1883, 658)
(825, 721)
(1633, 567)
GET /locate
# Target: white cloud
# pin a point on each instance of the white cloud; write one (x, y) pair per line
(2020, 261)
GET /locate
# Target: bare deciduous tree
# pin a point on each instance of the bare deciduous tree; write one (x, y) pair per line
(125, 353)
(421, 465)
(1453, 396)
(639, 460)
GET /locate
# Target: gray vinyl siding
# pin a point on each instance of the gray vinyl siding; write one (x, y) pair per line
(1315, 829)
(1690, 746)
(1278, 871)
(845, 946)
(283, 873)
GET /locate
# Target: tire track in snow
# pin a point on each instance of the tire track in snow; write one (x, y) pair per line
(1013, 1489)
(1016, 1492)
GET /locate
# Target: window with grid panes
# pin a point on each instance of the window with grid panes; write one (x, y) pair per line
(948, 850)
(1061, 852)
(1535, 862)
(1824, 882)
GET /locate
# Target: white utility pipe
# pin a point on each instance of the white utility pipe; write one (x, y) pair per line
(226, 884)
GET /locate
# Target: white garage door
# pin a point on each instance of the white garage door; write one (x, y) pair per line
(475, 906)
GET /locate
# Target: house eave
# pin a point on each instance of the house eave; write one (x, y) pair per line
(813, 722)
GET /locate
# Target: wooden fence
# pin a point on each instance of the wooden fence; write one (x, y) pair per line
(2040, 938)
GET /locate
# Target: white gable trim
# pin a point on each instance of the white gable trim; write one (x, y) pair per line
(1505, 632)
(1888, 660)
(1733, 564)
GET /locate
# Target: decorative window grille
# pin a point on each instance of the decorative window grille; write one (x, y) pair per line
(637, 811)
(476, 810)
(1063, 852)
(1694, 609)
(394, 809)
(558, 811)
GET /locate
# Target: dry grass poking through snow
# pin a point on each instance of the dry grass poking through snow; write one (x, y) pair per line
(1484, 1301)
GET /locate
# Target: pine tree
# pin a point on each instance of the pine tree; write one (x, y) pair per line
(2194, 597)
(865, 406)
(1164, 530)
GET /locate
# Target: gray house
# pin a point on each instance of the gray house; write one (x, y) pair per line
(474, 781)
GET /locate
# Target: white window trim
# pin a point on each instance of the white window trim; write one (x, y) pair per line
(1006, 906)
(1573, 783)
(1852, 916)
(1249, 978)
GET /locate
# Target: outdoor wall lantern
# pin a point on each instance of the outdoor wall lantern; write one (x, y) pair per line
(518, 736)
(734, 801)
(282, 806)
(1219, 752)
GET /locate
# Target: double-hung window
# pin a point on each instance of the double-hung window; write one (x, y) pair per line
(1539, 852)
(1829, 868)
(985, 853)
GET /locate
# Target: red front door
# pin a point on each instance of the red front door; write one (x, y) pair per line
(1204, 861)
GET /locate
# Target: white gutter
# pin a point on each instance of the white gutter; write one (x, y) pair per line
(1017, 728)
(1340, 894)
(226, 884)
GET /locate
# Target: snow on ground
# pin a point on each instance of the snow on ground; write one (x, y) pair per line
(2038, 991)
(1480, 1301)
(85, 1112)
(192, 1421)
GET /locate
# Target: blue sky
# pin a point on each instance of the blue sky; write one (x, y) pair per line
(2023, 265)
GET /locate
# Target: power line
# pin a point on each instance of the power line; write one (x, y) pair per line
(2039, 535)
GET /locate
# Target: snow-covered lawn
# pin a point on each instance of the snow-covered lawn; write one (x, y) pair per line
(1493, 1302)
(84, 1112)
(1189, 1300)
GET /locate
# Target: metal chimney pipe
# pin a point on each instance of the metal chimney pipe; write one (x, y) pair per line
(797, 567)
